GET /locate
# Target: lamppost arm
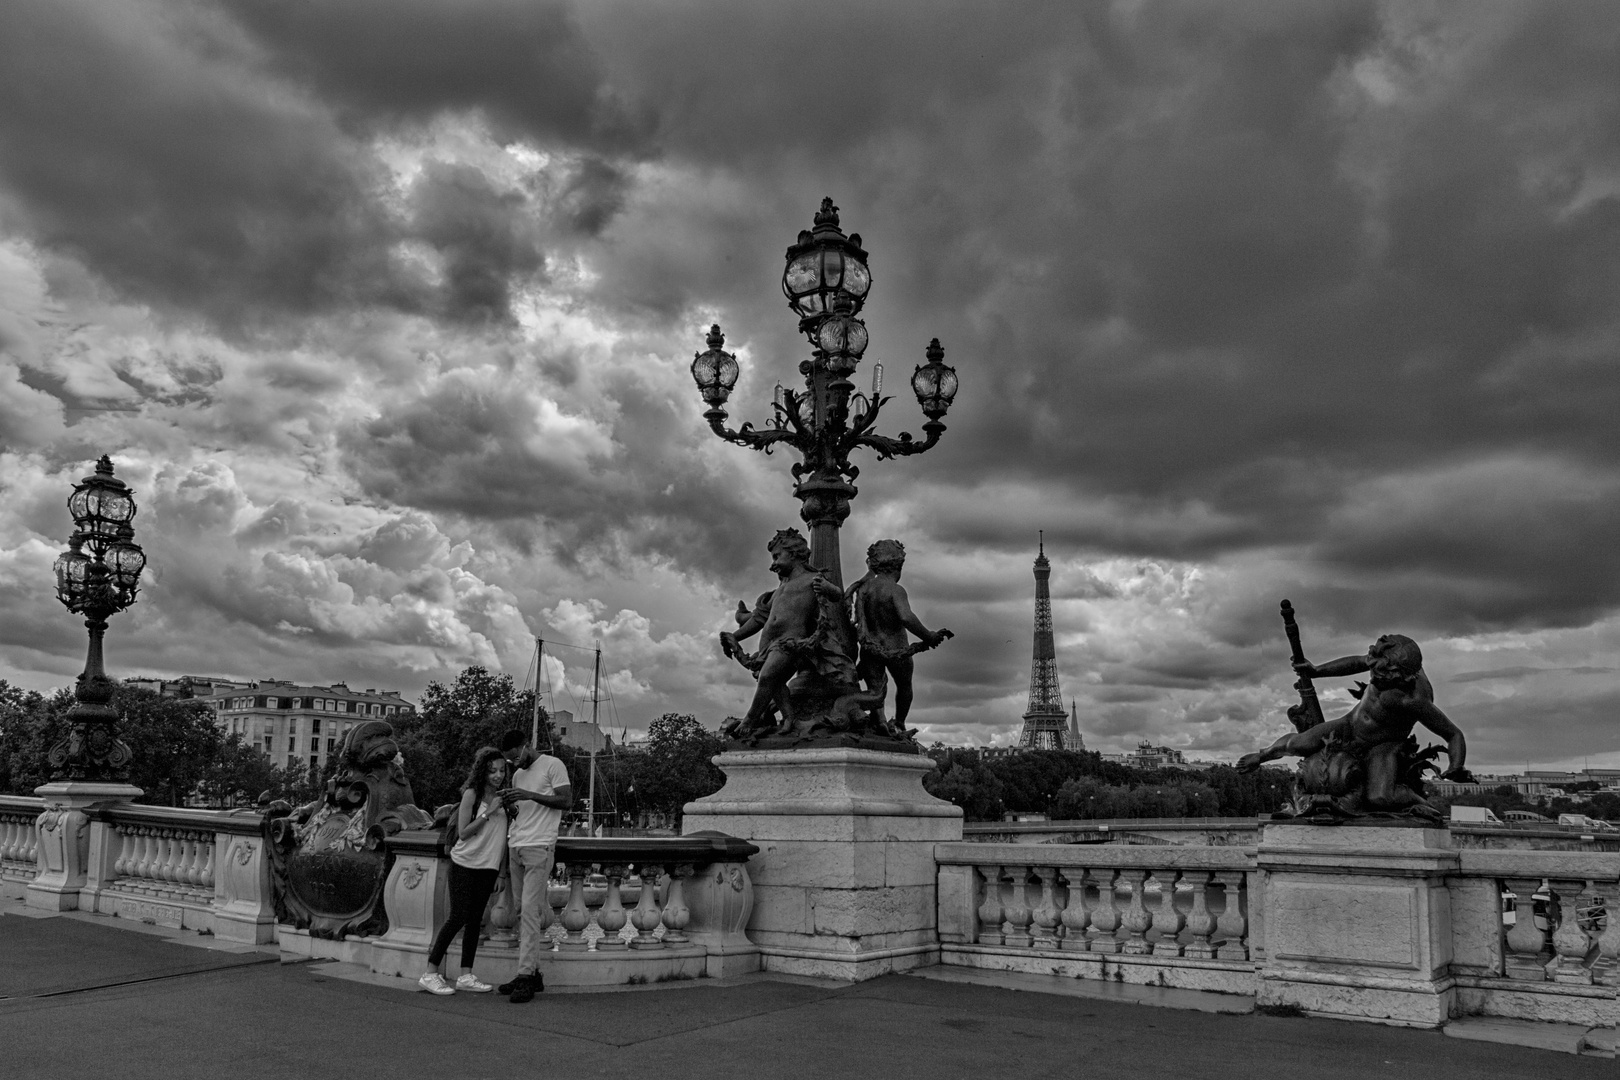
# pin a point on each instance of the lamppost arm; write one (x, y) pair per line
(747, 435)
(861, 434)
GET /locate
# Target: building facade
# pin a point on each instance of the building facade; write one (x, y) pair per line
(297, 725)
(580, 734)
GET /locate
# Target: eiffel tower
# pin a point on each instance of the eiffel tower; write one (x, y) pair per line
(1046, 725)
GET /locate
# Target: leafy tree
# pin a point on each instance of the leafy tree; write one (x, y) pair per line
(179, 752)
(452, 722)
(677, 765)
(974, 788)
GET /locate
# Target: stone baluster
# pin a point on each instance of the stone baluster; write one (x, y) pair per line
(1232, 925)
(1137, 919)
(185, 868)
(126, 852)
(1200, 923)
(205, 861)
(1017, 915)
(502, 918)
(647, 916)
(163, 861)
(10, 840)
(145, 853)
(1528, 944)
(1077, 912)
(1045, 917)
(1167, 920)
(990, 910)
(676, 913)
(1573, 941)
(1105, 917)
(1607, 968)
(140, 855)
(575, 915)
(611, 916)
(201, 844)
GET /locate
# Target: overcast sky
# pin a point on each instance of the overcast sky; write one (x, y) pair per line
(385, 308)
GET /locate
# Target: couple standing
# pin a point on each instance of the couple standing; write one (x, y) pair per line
(519, 821)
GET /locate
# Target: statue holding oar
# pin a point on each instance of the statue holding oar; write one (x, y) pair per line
(1366, 761)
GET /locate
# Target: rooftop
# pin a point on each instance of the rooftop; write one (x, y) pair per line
(169, 1004)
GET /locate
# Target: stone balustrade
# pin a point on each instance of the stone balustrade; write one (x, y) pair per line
(198, 870)
(1161, 915)
(1195, 917)
(19, 841)
(605, 924)
(1556, 954)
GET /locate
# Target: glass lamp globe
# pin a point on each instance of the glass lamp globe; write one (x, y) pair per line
(934, 383)
(824, 267)
(715, 371)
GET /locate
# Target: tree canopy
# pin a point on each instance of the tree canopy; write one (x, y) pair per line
(451, 722)
(179, 752)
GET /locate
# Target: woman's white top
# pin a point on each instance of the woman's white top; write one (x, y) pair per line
(483, 849)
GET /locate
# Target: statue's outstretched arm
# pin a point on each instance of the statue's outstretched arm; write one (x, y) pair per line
(1430, 716)
(908, 618)
(1334, 669)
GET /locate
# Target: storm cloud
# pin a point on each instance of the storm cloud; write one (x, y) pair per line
(389, 307)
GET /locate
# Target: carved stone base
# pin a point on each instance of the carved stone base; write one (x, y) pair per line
(1358, 922)
(821, 742)
(845, 883)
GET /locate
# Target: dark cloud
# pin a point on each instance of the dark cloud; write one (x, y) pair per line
(1315, 301)
(522, 63)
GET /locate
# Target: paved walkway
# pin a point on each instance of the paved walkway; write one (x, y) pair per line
(87, 999)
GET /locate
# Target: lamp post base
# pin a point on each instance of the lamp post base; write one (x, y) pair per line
(65, 858)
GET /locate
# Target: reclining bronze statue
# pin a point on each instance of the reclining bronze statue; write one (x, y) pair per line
(817, 645)
(1365, 763)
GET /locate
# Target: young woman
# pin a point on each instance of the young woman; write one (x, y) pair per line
(475, 863)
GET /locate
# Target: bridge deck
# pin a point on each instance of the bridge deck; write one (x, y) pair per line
(84, 998)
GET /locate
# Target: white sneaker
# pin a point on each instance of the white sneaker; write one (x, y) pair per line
(434, 983)
(469, 982)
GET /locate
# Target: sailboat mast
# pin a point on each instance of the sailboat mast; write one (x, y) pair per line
(539, 665)
(596, 700)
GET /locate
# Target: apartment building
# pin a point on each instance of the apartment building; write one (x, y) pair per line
(298, 725)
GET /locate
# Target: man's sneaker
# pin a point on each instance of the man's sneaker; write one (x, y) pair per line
(524, 988)
(469, 982)
(434, 983)
(508, 987)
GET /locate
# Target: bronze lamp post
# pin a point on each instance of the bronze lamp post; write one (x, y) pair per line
(826, 282)
(97, 584)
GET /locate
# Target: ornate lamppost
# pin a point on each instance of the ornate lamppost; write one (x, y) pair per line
(826, 282)
(96, 583)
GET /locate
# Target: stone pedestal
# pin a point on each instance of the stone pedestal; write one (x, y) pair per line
(845, 880)
(1358, 922)
(64, 840)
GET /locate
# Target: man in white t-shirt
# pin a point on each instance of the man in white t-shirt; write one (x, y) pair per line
(535, 801)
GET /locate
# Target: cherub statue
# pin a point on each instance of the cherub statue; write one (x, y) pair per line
(882, 616)
(1367, 759)
(803, 630)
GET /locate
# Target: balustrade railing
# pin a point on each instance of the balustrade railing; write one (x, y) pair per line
(1162, 902)
(625, 899)
(606, 904)
(168, 862)
(19, 838)
(1560, 929)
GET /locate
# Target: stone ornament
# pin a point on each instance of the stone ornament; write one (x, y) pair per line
(328, 859)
